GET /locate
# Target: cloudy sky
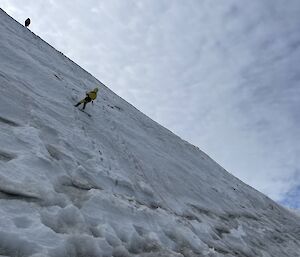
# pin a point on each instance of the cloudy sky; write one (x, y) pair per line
(223, 75)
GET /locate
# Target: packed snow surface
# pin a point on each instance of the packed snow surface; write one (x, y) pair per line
(117, 183)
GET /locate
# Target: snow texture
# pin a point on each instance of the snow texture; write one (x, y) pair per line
(117, 183)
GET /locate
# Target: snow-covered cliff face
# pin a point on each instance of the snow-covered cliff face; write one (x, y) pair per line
(116, 184)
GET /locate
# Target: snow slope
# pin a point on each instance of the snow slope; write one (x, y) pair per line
(116, 184)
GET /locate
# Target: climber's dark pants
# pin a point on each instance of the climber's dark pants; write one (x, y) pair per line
(84, 101)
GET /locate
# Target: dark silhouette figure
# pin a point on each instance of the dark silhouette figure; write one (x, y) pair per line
(27, 22)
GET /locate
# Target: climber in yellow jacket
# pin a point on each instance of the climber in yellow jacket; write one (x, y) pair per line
(90, 97)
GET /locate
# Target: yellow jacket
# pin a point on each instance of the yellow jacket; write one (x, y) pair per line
(92, 94)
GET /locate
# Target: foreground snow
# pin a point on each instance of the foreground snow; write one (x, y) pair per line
(116, 184)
